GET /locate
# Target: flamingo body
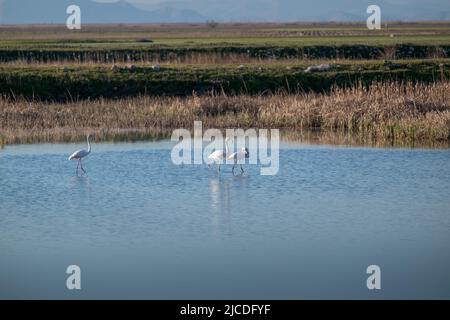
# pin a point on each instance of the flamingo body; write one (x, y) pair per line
(218, 156)
(238, 156)
(80, 154)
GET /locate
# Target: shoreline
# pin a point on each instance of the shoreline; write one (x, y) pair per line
(309, 138)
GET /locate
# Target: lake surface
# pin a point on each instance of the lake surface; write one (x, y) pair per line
(140, 227)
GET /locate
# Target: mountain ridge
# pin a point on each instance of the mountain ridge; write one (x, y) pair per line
(122, 11)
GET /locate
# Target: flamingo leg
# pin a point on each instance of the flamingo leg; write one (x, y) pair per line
(82, 166)
(218, 170)
(78, 165)
(242, 169)
(232, 170)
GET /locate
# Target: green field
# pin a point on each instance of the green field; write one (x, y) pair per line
(51, 62)
(222, 43)
(204, 35)
(71, 81)
(176, 36)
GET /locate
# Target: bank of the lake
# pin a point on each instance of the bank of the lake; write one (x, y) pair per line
(381, 113)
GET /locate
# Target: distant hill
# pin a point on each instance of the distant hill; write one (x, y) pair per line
(134, 11)
(54, 11)
(307, 10)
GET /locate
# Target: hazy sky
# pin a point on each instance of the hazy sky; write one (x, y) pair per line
(331, 2)
(293, 7)
(239, 10)
(290, 9)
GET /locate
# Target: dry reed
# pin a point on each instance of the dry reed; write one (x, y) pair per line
(386, 113)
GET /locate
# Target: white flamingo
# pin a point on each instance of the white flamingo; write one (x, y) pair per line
(218, 155)
(80, 154)
(237, 156)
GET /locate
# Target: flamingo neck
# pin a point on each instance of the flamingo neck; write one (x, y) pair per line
(89, 145)
(226, 147)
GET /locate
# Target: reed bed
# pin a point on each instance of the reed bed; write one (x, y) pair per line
(389, 113)
(190, 58)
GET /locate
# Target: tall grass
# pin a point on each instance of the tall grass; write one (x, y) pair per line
(381, 113)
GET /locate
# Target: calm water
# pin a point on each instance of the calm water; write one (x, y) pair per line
(141, 227)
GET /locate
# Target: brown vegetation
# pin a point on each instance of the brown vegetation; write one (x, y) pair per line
(382, 113)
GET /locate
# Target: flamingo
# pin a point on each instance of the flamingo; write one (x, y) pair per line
(218, 155)
(237, 156)
(80, 154)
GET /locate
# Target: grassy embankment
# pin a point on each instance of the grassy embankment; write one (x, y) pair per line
(75, 82)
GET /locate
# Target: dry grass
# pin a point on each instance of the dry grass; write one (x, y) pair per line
(382, 113)
(192, 58)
